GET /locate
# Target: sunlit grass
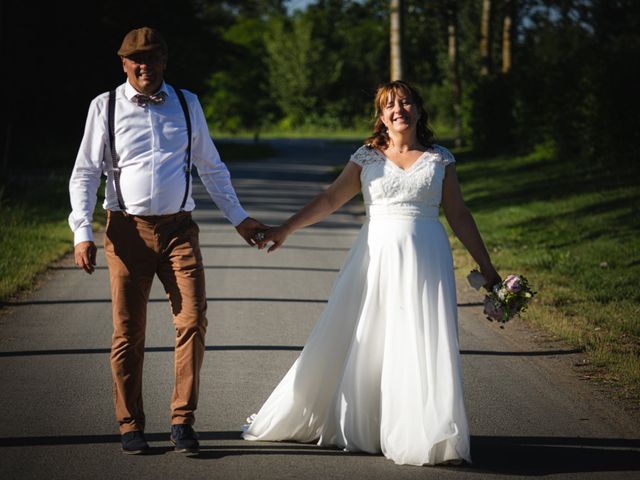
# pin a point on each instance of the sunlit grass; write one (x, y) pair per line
(34, 208)
(329, 134)
(573, 231)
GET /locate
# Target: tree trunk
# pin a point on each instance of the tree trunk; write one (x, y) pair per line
(485, 38)
(454, 70)
(507, 35)
(397, 14)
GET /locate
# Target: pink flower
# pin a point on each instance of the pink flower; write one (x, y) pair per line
(513, 283)
(492, 311)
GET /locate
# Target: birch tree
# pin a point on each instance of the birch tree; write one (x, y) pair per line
(485, 38)
(397, 14)
(454, 68)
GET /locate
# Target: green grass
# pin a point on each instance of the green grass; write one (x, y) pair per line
(574, 231)
(34, 233)
(329, 134)
(34, 206)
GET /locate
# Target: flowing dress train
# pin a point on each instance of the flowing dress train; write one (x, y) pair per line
(380, 371)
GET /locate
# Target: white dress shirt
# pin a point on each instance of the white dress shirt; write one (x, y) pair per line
(151, 144)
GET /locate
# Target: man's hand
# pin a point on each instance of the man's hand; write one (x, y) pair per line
(85, 253)
(276, 235)
(248, 228)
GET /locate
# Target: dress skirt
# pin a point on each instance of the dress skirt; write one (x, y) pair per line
(380, 371)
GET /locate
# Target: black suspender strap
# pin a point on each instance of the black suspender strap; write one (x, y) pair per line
(187, 167)
(112, 144)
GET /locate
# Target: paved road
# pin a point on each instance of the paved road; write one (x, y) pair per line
(529, 413)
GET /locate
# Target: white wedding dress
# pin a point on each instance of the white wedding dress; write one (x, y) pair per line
(380, 371)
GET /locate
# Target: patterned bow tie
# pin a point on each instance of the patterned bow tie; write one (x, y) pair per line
(144, 100)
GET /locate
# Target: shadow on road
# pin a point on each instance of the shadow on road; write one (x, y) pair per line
(528, 456)
(284, 348)
(538, 456)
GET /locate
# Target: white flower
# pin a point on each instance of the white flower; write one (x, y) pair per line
(502, 294)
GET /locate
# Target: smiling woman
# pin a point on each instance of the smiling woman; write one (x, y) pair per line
(380, 371)
(399, 110)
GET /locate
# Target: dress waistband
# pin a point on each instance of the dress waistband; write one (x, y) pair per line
(402, 211)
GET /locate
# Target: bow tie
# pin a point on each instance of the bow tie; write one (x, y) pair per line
(144, 100)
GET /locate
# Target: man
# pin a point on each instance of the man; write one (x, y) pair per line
(140, 140)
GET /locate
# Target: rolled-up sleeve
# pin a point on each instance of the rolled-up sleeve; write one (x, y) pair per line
(85, 178)
(212, 170)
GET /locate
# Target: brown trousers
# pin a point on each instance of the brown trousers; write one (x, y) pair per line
(138, 248)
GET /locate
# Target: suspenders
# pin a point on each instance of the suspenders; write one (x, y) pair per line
(114, 156)
(187, 167)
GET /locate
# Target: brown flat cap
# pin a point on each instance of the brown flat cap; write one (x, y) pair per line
(141, 40)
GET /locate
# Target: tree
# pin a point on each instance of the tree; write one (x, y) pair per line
(397, 20)
(290, 56)
(485, 38)
(454, 69)
(507, 35)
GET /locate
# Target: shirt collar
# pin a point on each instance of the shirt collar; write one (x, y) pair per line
(131, 92)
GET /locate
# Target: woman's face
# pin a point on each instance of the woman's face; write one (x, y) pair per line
(399, 113)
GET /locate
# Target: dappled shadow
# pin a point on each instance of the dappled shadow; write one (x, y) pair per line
(537, 456)
(264, 348)
(534, 353)
(157, 300)
(524, 455)
(523, 182)
(102, 351)
(232, 267)
(221, 451)
(541, 224)
(101, 439)
(288, 247)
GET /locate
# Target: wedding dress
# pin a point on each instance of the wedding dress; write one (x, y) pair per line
(380, 371)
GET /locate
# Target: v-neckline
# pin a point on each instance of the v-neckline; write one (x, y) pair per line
(405, 170)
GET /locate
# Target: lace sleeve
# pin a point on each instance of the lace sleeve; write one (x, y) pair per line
(446, 157)
(362, 156)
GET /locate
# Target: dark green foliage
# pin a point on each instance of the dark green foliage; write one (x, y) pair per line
(258, 67)
(491, 119)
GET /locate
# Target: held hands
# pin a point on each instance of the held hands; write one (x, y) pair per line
(85, 256)
(276, 235)
(248, 229)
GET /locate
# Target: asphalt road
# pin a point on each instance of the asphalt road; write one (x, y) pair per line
(529, 412)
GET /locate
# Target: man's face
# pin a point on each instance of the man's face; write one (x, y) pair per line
(145, 71)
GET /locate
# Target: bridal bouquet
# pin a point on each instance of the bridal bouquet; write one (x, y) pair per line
(505, 299)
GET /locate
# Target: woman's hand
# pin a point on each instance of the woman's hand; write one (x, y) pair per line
(491, 276)
(276, 235)
(248, 229)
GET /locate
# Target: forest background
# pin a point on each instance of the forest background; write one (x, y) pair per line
(564, 71)
(538, 98)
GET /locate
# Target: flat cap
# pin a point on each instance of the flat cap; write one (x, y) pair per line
(141, 40)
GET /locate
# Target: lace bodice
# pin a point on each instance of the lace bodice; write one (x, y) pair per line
(389, 190)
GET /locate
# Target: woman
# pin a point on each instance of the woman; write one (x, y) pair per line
(380, 371)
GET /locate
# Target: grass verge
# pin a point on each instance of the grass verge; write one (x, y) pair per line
(34, 206)
(574, 231)
(327, 134)
(34, 233)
